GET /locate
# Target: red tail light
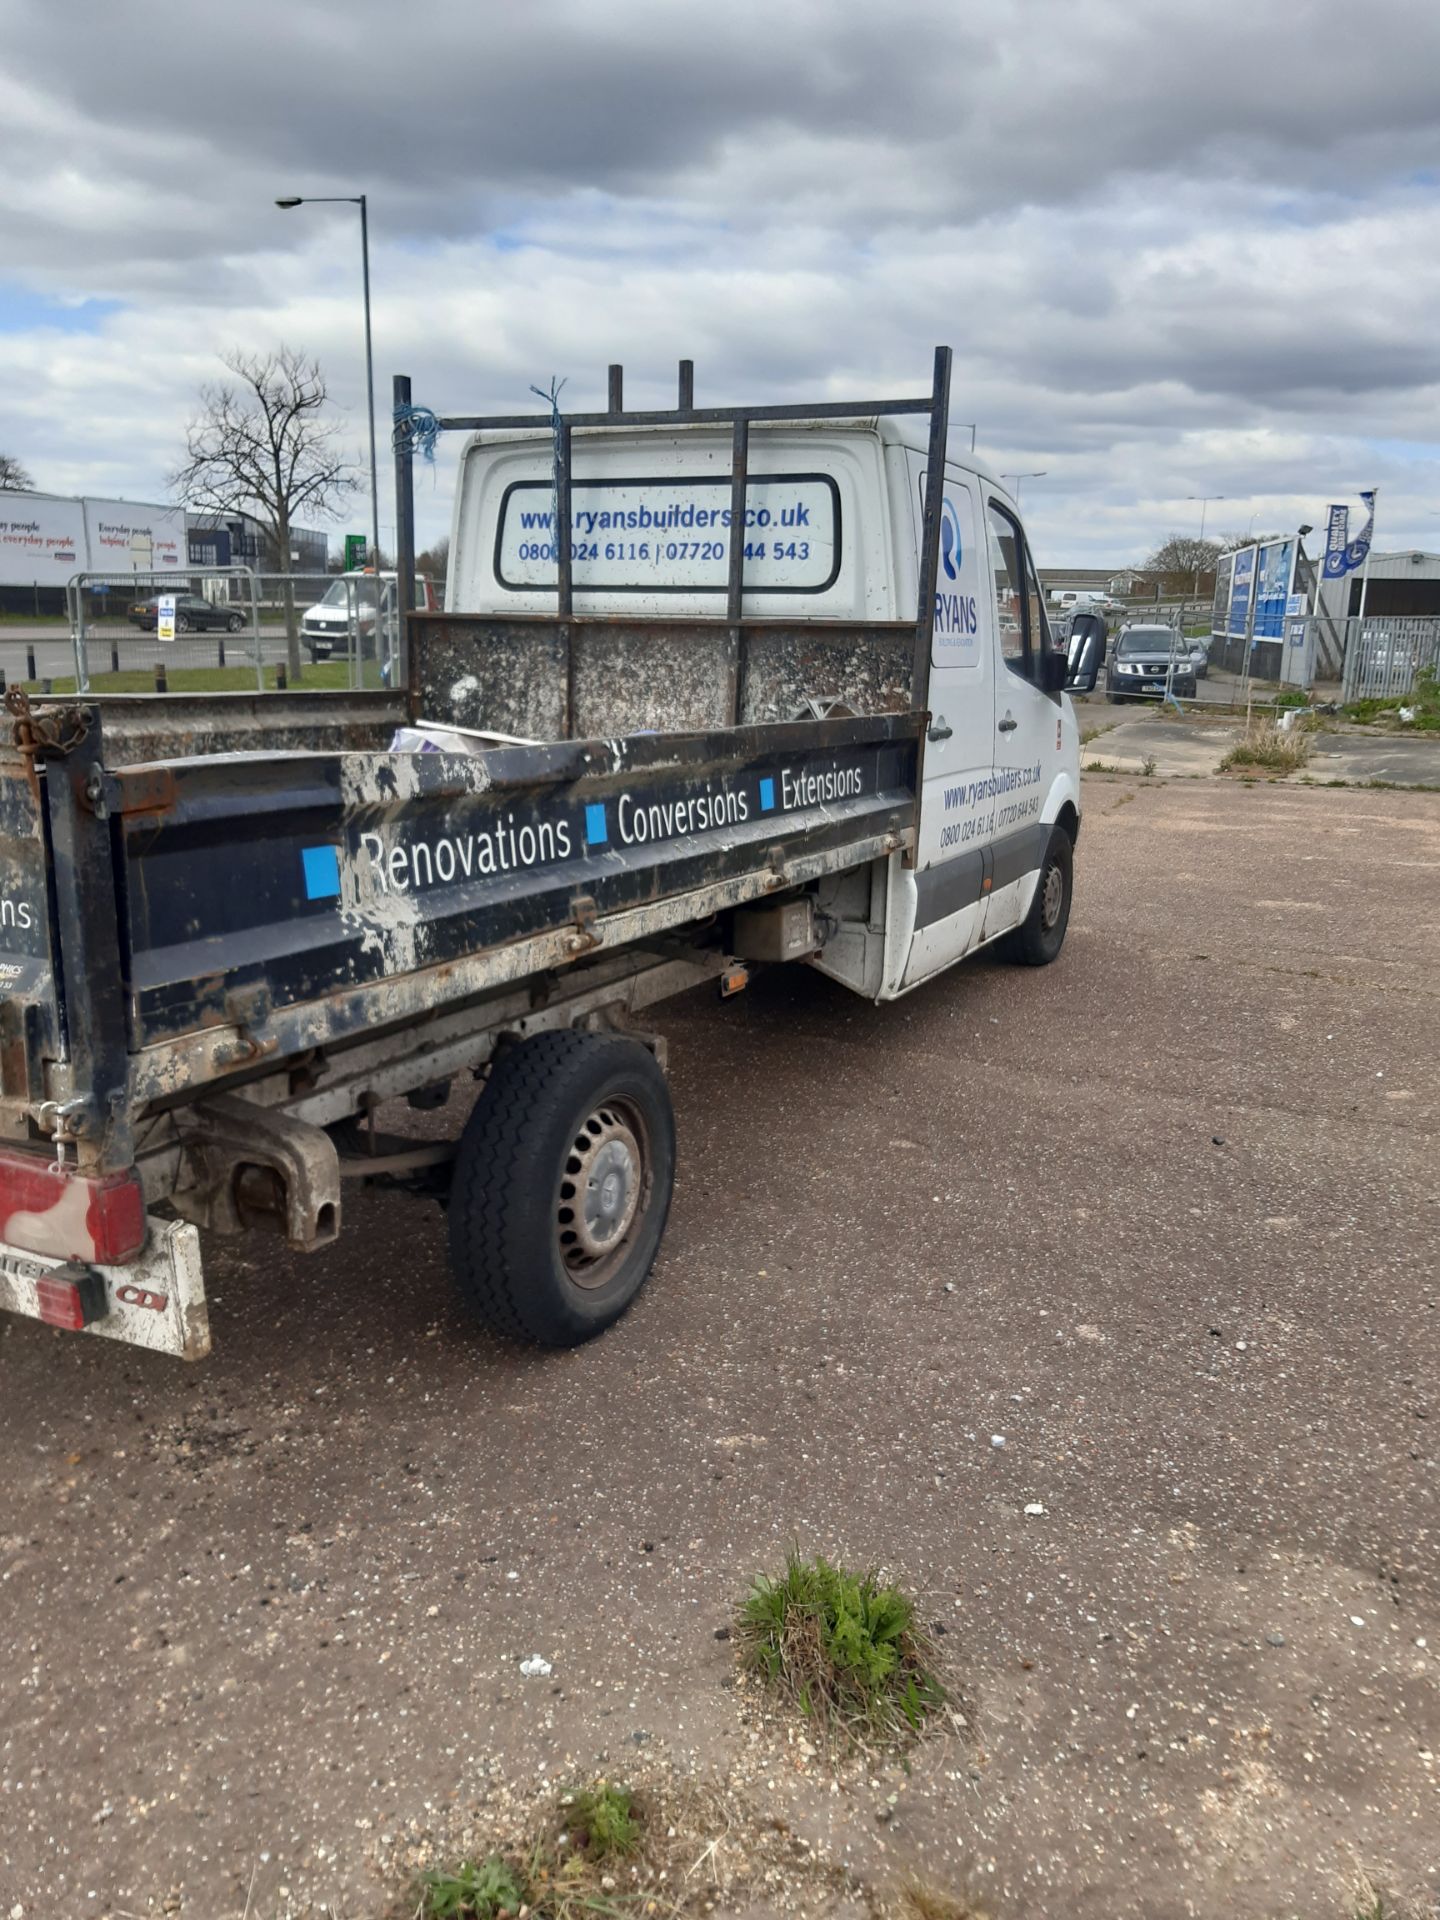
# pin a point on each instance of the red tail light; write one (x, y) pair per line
(69, 1215)
(71, 1297)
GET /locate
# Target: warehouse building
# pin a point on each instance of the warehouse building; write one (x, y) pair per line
(1401, 584)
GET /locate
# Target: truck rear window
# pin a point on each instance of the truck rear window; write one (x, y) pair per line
(672, 534)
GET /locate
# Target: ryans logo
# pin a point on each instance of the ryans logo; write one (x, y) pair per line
(950, 552)
(956, 620)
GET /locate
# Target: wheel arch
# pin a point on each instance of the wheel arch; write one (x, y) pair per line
(1062, 805)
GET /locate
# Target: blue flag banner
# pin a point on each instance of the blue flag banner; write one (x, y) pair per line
(1357, 551)
(1337, 533)
(1342, 554)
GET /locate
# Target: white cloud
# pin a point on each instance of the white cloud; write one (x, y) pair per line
(1178, 251)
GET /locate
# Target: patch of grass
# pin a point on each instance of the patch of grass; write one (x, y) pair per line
(561, 1872)
(602, 1821)
(700, 1844)
(1292, 697)
(918, 1901)
(1099, 766)
(1422, 703)
(327, 674)
(1264, 745)
(1147, 766)
(842, 1647)
(473, 1891)
(1372, 1902)
(1087, 734)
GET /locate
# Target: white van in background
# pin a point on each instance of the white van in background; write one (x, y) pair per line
(350, 601)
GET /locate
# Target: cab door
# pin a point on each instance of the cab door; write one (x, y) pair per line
(1028, 726)
(956, 806)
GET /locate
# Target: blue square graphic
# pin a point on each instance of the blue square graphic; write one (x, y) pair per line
(596, 831)
(322, 872)
(767, 796)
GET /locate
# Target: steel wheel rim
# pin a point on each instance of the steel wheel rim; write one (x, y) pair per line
(604, 1193)
(1052, 898)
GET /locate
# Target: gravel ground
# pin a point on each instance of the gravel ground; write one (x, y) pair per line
(1163, 1218)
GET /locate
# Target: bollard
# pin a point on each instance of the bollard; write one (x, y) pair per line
(221, 661)
(281, 683)
(161, 685)
(114, 656)
(30, 673)
(47, 686)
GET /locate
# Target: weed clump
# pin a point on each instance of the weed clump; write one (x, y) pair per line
(1421, 704)
(481, 1890)
(843, 1648)
(603, 1823)
(559, 1874)
(1264, 745)
(921, 1902)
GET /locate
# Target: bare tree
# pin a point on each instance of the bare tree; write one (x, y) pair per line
(1183, 563)
(264, 445)
(13, 477)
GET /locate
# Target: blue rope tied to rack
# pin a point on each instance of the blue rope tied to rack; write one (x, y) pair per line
(416, 427)
(551, 396)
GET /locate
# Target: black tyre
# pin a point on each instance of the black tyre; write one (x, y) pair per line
(562, 1186)
(234, 623)
(182, 623)
(1041, 934)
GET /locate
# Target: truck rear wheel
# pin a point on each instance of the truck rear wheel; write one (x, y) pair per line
(562, 1186)
(1041, 934)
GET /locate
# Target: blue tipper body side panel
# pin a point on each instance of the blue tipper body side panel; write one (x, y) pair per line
(303, 875)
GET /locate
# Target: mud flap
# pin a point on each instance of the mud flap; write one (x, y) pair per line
(156, 1301)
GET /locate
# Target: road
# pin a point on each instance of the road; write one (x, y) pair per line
(55, 653)
(1162, 1218)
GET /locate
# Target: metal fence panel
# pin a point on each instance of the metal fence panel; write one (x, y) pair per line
(1384, 657)
(116, 644)
(235, 629)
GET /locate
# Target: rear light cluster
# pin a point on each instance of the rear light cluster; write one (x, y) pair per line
(71, 1297)
(68, 1215)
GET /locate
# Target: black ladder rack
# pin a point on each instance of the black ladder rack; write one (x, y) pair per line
(935, 404)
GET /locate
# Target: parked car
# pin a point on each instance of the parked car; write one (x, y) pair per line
(1200, 657)
(193, 614)
(1146, 660)
(325, 627)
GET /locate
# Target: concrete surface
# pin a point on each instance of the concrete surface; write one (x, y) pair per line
(1358, 754)
(261, 1620)
(1182, 746)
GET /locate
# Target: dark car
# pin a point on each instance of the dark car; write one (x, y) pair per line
(193, 614)
(1145, 661)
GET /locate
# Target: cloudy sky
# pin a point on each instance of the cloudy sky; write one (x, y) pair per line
(1179, 249)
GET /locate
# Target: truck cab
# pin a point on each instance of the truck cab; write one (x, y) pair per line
(833, 537)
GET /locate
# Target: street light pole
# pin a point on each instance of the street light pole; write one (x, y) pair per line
(1019, 477)
(1204, 499)
(358, 200)
(370, 398)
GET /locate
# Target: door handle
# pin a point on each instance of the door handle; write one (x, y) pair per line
(1007, 725)
(938, 729)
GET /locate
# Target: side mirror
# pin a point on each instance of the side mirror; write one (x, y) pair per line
(1086, 653)
(1054, 671)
